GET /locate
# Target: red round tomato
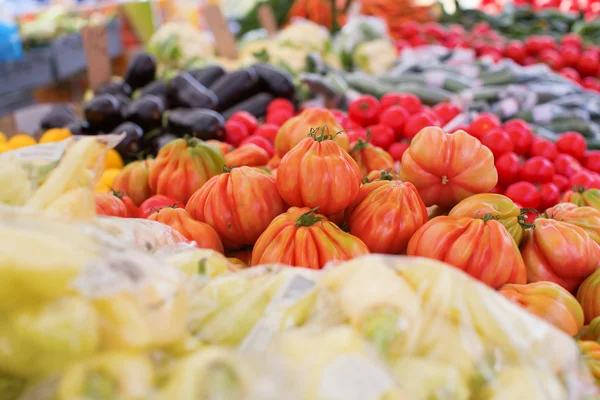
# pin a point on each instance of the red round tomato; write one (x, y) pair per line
(509, 168)
(482, 124)
(381, 135)
(247, 119)
(588, 63)
(571, 39)
(561, 182)
(541, 147)
(566, 165)
(498, 142)
(591, 83)
(520, 136)
(364, 110)
(261, 142)
(570, 55)
(446, 112)
(409, 29)
(549, 195)
(235, 132)
(417, 122)
(572, 143)
(570, 73)
(517, 122)
(591, 160)
(537, 170)
(394, 117)
(397, 149)
(552, 58)
(281, 104)
(583, 179)
(357, 133)
(516, 51)
(156, 203)
(268, 131)
(524, 193)
(409, 102)
(278, 117)
(498, 189)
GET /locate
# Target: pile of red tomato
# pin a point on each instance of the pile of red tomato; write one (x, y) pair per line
(569, 57)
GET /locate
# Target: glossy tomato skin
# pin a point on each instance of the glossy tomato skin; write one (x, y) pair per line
(281, 104)
(591, 160)
(247, 119)
(110, 205)
(548, 253)
(566, 165)
(180, 220)
(561, 182)
(508, 166)
(498, 205)
(381, 135)
(235, 132)
(387, 217)
(182, 166)
(132, 209)
(364, 110)
(525, 194)
(487, 251)
(409, 102)
(238, 204)
(582, 179)
(446, 112)
(370, 158)
(572, 143)
(498, 142)
(587, 218)
(541, 147)
(268, 131)
(582, 197)
(521, 137)
(304, 239)
(133, 181)
(417, 122)
(261, 141)
(156, 203)
(548, 301)
(397, 150)
(318, 174)
(248, 154)
(482, 124)
(394, 117)
(549, 195)
(297, 128)
(537, 170)
(460, 167)
(587, 295)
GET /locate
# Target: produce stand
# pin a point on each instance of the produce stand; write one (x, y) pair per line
(333, 207)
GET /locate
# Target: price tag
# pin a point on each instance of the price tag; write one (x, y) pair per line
(224, 39)
(96, 52)
(267, 19)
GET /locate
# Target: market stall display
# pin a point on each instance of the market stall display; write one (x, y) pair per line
(330, 216)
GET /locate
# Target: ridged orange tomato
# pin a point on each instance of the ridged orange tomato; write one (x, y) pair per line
(582, 197)
(182, 166)
(239, 204)
(318, 173)
(110, 205)
(370, 158)
(303, 238)
(249, 155)
(297, 128)
(587, 218)
(591, 357)
(133, 181)
(507, 212)
(482, 248)
(223, 146)
(559, 252)
(588, 295)
(180, 220)
(387, 217)
(448, 168)
(548, 301)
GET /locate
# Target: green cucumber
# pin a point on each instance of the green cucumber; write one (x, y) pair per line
(367, 85)
(428, 95)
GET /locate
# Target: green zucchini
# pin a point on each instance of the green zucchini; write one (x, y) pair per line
(366, 84)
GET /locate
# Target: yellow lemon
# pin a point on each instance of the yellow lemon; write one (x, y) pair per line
(102, 188)
(21, 140)
(109, 175)
(2, 137)
(55, 135)
(4, 147)
(113, 160)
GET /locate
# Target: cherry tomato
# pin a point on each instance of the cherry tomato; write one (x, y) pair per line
(417, 122)
(552, 58)
(521, 138)
(446, 112)
(572, 143)
(509, 168)
(482, 124)
(260, 141)
(541, 147)
(381, 135)
(364, 110)
(591, 160)
(498, 142)
(397, 149)
(516, 122)
(588, 63)
(566, 165)
(571, 73)
(549, 195)
(583, 179)
(524, 193)
(516, 51)
(235, 132)
(561, 182)
(535, 44)
(395, 117)
(247, 119)
(355, 134)
(278, 116)
(410, 103)
(498, 189)
(537, 170)
(281, 104)
(268, 130)
(571, 39)
(591, 83)
(389, 99)
(570, 54)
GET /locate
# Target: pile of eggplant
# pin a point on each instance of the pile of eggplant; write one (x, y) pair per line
(154, 111)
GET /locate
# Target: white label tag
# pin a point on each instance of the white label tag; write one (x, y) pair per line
(40, 152)
(354, 377)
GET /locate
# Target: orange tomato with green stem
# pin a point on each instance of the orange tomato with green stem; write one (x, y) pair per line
(582, 197)
(249, 155)
(481, 247)
(387, 216)
(239, 204)
(318, 173)
(110, 205)
(132, 181)
(370, 158)
(301, 237)
(447, 168)
(587, 218)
